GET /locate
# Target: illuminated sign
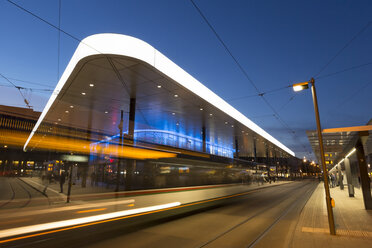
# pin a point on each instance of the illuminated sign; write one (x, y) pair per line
(74, 158)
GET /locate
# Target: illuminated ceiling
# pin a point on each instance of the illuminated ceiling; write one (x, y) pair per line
(107, 70)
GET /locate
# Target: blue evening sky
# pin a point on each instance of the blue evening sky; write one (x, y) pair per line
(277, 42)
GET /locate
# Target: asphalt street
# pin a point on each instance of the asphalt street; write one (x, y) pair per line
(264, 218)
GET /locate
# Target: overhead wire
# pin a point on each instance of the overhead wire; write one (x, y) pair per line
(59, 38)
(364, 28)
(286, 103)
(25, 88)
(28, 82)
(276, 114)
(71, 36)
(52, 25)
(344, 70)
(343, 48)
(351, 96)
(225, 46)
(18, 88)
(260, 94)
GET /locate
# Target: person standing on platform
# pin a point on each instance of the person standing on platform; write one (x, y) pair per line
(62, 179)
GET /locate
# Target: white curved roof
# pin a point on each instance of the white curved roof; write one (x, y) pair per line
(122, 45)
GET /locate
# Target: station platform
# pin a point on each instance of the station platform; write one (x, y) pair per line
(353, 223)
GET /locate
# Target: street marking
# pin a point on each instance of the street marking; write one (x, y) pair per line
(131, 205)
(341, 232)
(91, 210)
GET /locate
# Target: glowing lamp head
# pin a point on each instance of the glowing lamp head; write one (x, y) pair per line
(301, 86)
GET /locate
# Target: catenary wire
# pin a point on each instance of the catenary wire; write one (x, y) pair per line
(344, 70)
(54, 26)
(276, 114)
(18, 88)
(343, 48)
(59, 38)
(77, 39)
(25, 88)
(28, 82)
(260, 94)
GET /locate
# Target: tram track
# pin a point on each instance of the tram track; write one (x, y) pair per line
(12, 197)
(242, 221)
(28, 193)
(21, 195)
(284, 213)
(257, 214)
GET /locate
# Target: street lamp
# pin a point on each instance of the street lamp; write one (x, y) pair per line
(299, 87)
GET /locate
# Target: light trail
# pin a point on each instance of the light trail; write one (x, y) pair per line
(78, 221)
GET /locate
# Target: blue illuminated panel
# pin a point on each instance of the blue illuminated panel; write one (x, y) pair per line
(174, 139)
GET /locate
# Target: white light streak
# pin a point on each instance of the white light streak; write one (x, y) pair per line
(79, 221)
(349, 154)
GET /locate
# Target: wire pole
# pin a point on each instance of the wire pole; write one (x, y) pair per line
(331, 220)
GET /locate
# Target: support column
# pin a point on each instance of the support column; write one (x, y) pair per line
(85, 167)
(130, 162)
(254, 150)
(236, 147)
(204, 136)
(267, 161)
(121, 146)
(349, 178)
(132, 115)
(364, 179)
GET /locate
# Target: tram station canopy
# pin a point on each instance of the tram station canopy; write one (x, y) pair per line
(339, 141)
(107, 70)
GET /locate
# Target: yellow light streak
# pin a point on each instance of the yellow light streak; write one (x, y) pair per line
(63, 144)
(91, 210)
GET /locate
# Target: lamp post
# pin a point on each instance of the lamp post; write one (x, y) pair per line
(299, 87)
